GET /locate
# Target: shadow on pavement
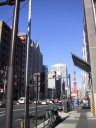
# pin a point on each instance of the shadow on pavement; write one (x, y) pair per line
(59, 121)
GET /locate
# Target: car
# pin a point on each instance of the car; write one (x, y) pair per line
(48, 101)
(38, 102)
(51, 102)
(21, 100)
(2, 103)
(43, 102)
(56, 100)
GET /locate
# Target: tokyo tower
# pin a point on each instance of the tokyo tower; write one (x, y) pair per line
(74, 82)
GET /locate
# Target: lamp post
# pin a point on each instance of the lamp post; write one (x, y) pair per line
(70, 85)
(27, 64)
(9, 108)
(54, 90)
(36, 83)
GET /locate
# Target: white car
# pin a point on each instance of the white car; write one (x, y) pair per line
(21, 100)
(38, 102)
(43, 102)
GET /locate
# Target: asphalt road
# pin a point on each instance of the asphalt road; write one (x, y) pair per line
(19, 111)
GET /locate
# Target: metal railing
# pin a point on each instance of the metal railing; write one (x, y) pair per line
(43, 121)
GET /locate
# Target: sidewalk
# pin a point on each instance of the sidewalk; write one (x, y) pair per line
(64, 115)
(80, 118)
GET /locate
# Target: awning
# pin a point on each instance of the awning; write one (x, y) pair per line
(81, 63)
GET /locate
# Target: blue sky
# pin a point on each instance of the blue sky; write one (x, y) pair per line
(58, 27)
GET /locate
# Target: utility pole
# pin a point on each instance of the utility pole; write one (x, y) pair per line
(27, 60)
(36, 78)
(70, 85)
(55, 85)
(36, 98)
(9, 106)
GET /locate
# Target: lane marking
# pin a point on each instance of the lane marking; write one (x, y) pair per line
(3, 113)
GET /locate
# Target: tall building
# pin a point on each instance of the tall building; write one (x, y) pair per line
(88, 39)
(35, 64)
(45, 89)
(61, 73)
(35, 61)
(5, 38)
(51, 84)
(90, 31)
(58, 88)
(4, 54)
(61, 70)
(90, 24)
(85, 75)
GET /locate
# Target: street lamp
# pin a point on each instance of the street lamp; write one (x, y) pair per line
(9, 106)
(27, 65)
(36, 82)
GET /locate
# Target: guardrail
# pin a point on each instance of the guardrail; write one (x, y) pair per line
(43, 121)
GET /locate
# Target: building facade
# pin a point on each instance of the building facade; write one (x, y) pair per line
(62, 79)
(35, 64)
(90, 23)
(61, 70)
(5, 38)
(45, 70)
(35, 61)
(62, 73)
(85, 75)
(51, 85)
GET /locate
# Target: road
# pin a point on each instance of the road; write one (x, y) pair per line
(19, 111)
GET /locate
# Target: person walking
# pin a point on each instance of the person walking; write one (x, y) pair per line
(75, 103)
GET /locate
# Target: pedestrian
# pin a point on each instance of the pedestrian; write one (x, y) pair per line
(75, 103)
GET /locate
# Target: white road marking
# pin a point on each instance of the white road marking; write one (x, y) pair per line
(3, 112)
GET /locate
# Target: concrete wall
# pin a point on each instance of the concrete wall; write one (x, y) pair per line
(90, 22)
